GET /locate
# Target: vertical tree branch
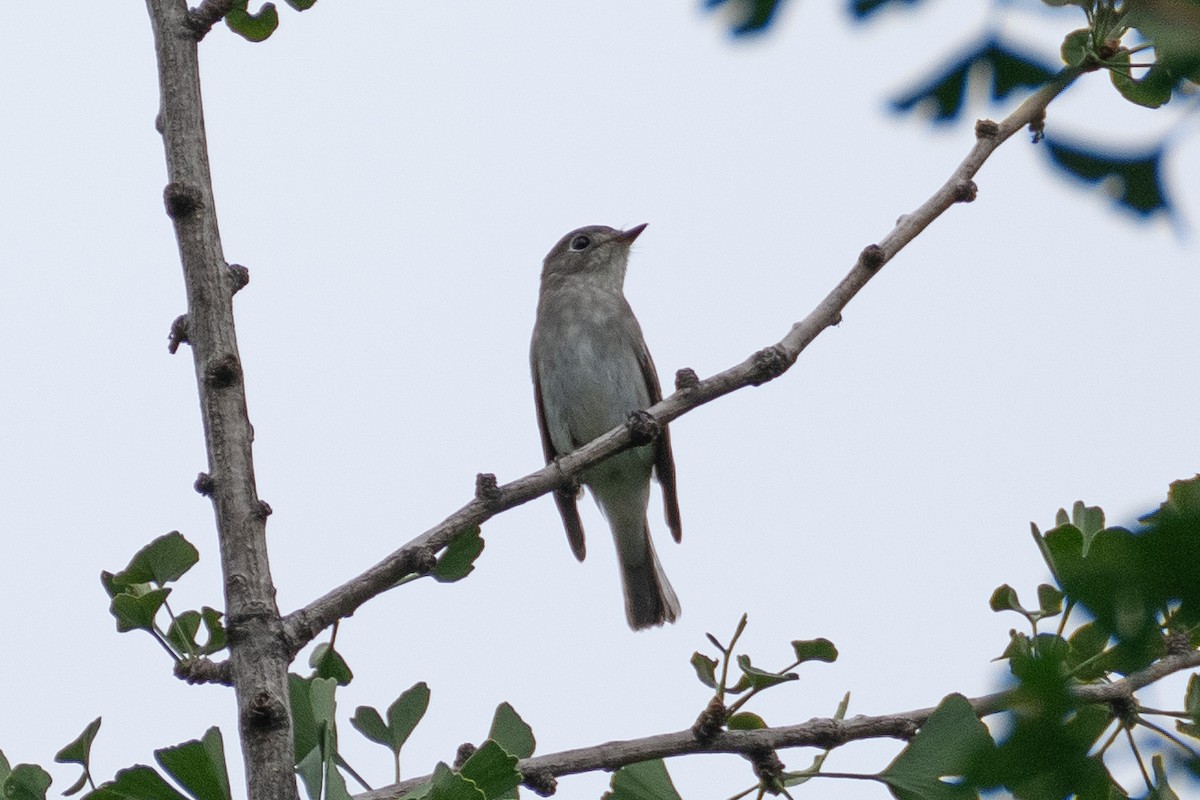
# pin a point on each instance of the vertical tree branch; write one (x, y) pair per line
(258, 662)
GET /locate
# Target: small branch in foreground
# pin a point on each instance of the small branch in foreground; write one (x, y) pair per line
(823, 733)
(303, 625)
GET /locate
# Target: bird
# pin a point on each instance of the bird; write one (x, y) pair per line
(591, 370)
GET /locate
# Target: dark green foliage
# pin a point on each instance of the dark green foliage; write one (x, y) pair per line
(1009, 69)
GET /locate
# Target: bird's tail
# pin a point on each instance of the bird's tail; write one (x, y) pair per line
(649, 598)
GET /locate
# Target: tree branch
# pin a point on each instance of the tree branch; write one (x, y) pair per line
(303, 625)
(826, 734)
(257, 664)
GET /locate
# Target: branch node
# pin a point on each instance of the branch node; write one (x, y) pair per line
(201, 19)
(686, 379)
(204, 485)
(872, 257)
(768, 768)
(181, 200)
(486, 489)
(643, 428)
(423, 561)
(178, 334)
(966, 192)
(1178, 643)
(711, 721)
(203, 670)
(1037, 126)
(986, 129)
(1125, 709)
(265, 712)
(465, 751)
(223, 372)
(239, 276)
(540, 781)
(769, 364)
(264, 509)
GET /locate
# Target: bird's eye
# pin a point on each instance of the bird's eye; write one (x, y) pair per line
(580, 242)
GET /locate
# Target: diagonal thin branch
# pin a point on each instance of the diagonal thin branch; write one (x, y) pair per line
(826, 734)
(303, 625)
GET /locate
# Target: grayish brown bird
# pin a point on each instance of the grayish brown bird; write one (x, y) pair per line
(591, 370)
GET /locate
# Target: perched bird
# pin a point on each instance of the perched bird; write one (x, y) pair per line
(591, 370)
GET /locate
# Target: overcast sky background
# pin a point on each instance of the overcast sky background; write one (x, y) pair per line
(392, 174)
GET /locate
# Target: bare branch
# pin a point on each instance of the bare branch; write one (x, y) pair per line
(257, 664)
(303, 625)
(826, 734)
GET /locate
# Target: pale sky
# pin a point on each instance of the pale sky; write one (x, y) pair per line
(392, 175)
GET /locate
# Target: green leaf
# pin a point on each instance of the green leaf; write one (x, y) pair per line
(492, 770)
(1152, 90)
(1161, 790)
(335, 784)
(252, 27)
(1050, 600)
(1192, 701)
(406, 711)
(198, 766)
(1009, 67)
(301, 5)
(761, 678)
(1076, 47)
(745, 721)
(646, 780)
(305, 733)
(450, 785)
(945, 748)
(321, 693)
(1049, 736)
(137, 612)
(458, 560)
(1013, 69)
(369, 723)
(1135, 180)
(511, 732)
(185, 626)
(1089, 520)
(1004, 598)
(706, 669)
(139, 782)
(1086, 644)
(77, 752)
(311, 770)
(165, 559)
(328, 663)
(814, 650)
(25, 782)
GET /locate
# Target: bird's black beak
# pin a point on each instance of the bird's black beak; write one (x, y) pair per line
(632, 233)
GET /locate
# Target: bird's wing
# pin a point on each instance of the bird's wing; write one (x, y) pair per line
(664, 462)
(564, 497)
